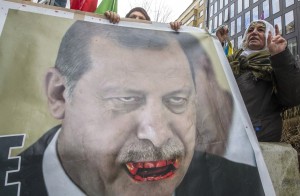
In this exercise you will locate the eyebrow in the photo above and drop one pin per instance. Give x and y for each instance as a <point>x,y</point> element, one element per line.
<point>257,26</point>
<point>122,90</point>
<point>184,90</point>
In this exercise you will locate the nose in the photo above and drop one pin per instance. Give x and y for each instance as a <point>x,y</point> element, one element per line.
<point>154,126</point>
<point>255,31</point>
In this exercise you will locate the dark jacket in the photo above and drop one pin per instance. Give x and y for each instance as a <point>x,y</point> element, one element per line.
<point>265,105</point>
<point>211,175</point>
<point>31,171</point>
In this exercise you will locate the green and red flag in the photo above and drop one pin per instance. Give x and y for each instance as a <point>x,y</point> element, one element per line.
<point>107,5</point>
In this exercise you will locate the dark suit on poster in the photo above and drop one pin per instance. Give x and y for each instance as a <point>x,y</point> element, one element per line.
<point>211,175</point>
<point>31,173</point>
<point>208,174</point>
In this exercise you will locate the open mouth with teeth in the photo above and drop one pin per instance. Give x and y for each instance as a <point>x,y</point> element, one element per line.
<point>152,170</point>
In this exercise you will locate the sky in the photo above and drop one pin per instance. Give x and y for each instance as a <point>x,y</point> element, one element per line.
<point>175,6</point>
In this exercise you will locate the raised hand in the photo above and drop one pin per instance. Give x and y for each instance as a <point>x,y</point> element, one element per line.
<point>113,17</point>
<point>222,34</point>
<point>277,43</point>
<point>175,25</point>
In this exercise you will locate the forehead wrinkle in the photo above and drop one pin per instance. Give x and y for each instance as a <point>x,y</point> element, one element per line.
<point>173,62</point>
<point>137,39</point>
<point>257,24</point>
<point>172,58</point>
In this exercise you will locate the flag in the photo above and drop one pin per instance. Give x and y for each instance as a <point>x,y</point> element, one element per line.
<point>107,5</point>
<point>228,49</point>
<point>84,5</point>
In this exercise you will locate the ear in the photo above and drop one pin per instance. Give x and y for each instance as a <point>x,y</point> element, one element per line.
<point>55,88</point>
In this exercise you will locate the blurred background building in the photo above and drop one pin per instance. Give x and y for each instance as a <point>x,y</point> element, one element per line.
<point>237,14</point>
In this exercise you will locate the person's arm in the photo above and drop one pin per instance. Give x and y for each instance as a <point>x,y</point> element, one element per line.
<point>222,34</point>
<point>286,70</point>
<point>287,76</point>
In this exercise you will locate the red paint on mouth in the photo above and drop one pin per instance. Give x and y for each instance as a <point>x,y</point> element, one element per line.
<point>152,170</point>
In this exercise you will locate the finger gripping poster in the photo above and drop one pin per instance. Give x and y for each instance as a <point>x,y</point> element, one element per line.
<point>92,108</point>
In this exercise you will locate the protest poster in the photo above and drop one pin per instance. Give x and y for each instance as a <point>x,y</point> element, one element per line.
<point>92,108</point>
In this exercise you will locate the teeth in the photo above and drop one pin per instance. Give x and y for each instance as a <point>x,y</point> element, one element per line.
<point>139,178</point>
<point>169,162</point>
<point>168,174</point>
<point>149,165</point>
<point>131,168</point>
<point>161,164</point>
<point>139,165</point>
<point>176,163</point>
<point>150,178</point>
<point>157,178</point>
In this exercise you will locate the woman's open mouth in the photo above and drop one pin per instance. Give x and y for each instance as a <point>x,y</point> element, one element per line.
<point>152,170</point>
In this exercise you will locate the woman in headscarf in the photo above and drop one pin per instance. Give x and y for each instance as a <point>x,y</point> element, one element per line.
<point>137,13</point>
<point>268,78</point>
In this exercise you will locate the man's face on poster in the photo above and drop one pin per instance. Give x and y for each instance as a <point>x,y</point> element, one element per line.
<point>129,125</point>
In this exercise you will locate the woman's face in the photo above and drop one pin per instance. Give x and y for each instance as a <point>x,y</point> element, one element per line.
<point>137,15</point>
<point>256,39</point>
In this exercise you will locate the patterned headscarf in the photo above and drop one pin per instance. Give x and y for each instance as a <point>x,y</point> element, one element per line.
<point>256,61</point>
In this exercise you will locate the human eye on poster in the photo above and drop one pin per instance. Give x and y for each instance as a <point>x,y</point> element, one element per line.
<point>91,108</point>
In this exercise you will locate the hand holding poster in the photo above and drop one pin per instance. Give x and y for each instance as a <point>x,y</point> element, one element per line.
<point>139,109</point>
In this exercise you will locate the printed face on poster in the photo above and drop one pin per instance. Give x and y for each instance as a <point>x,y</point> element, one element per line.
<point>129,109</point>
